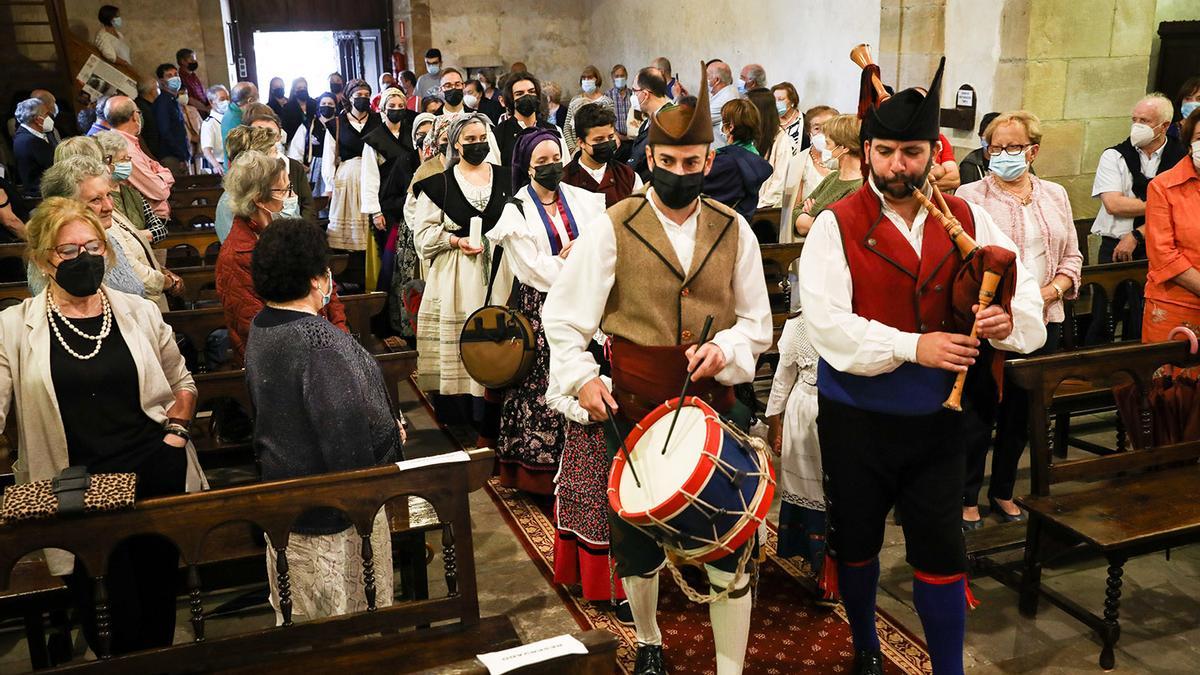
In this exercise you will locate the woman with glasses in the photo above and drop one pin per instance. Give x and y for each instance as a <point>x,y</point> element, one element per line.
<point>126,199</point>
<point>1036,215</point>
<point>258,187</point>
<point>301,204</point>
<point>348,226</point>
<point>96,381</point>
<point>591,91</point>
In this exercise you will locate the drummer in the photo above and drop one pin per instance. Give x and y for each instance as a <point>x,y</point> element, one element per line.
<point>648,274</point>
<point>885,370</point>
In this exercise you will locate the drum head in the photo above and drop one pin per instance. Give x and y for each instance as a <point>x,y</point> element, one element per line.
<point>663,476</point>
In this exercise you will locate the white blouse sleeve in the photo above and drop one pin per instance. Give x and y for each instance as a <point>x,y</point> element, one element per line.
<point>429,237</point>
<point>328,169</point>
<point>299,143</point>
<point>368,174</point>
<point>530,263</point>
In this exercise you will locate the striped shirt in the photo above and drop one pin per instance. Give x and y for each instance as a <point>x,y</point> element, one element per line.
<point>621,108</point>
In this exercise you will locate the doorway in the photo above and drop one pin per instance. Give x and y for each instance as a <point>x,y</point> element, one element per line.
<point>313,55</point>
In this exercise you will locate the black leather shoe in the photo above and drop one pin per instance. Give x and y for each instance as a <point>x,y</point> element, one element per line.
<point>868,662</point>
<point>1006,517</point>
<point>650,661</point>
<point>968,525</point>
<point>623,613</point>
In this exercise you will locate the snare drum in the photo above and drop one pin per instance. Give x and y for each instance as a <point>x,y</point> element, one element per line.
<point>706,495</point>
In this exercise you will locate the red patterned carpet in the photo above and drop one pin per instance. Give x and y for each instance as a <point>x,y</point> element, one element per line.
<point>788,633</point>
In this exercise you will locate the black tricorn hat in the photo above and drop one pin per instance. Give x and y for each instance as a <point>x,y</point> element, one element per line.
<point>911,115</point>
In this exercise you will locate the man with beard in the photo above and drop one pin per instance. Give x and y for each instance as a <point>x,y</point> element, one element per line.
<point>876,281</point>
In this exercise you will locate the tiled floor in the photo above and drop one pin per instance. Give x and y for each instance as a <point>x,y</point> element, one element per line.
<point>1160,611</point>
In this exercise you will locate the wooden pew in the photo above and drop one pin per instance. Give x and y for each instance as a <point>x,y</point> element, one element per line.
<point>1121,505</point>
<point>189,522</point>
<point>1103,279</point>
<point>599,660</point>
<point>199,239</point>
<point>200,284</point>
<point>196,182</point>
<point>12,293</point>
<point>12,250</point>
<point>194,197</point>
<point>765,225</point>
<point>186,217</point>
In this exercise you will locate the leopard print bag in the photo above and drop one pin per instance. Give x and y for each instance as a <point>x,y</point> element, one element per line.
<point>104,492</point>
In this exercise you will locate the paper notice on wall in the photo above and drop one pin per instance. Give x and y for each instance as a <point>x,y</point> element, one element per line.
<point>534,652</point>
<point>101,78</point>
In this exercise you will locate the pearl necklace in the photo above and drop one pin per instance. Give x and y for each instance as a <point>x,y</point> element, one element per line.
<point>52,310</point>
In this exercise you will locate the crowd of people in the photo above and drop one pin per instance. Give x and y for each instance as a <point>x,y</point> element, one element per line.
<point>454,190</point>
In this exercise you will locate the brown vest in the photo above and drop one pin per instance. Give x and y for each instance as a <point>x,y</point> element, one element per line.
<point>654,302</point>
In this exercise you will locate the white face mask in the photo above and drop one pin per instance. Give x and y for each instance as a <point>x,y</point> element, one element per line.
<point>222,107</point>
<point>1196,155</point>
<point>47,124</point>
<point>183,98</point>
<point>1140,135</point>
<point>470,100</point>
<point>291,207</point>
<point>818,142</point>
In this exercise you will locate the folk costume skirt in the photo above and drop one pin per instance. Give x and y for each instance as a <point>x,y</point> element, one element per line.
<point>456,287</point>
<point>802,494</point>
<point>531,434</point>
<point>349,228</point>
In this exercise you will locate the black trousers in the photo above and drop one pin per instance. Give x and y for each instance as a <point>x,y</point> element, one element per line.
<point>1010,416</point>
<point>143,571</point>
<point>1108,244</point>
<point>873,461</point>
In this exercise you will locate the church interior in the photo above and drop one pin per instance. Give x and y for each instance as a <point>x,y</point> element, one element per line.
<point>323,438</point>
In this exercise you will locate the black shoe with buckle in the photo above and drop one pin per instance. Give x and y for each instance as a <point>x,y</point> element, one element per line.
<point>650,661</point>
<point>868,662</point>
<point>623,612</point>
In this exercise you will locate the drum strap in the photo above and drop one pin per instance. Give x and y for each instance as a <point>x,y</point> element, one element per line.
<point>487,299</point>
<point>737,593</point>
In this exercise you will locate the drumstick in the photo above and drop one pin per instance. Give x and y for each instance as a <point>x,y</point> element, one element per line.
<point>687,380</point>
<point>621,439</point>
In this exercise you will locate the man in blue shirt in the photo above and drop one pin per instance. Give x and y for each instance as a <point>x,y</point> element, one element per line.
<point>173,138</point>
<point>242,96</point>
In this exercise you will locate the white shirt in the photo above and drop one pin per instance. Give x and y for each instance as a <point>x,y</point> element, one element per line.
<point>1112,175</point>
<point>329,152</point>
<point>210,136</point>
<point>1035,244</point>
<point>36,132</point>
<point>715,103</point>
<point>526,243</point>
<point>770,195</point>
<point>299,143</point>
<point>860,346</point>
<point>369,176</point>
<point>598,174</point>
<point>576,302</point>
<point>112,47</point>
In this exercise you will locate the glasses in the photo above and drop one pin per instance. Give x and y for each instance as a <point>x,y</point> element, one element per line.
<point>1012,150</point>
<point>71,251</point>
<point>452,85</point>
<point>285,190</point>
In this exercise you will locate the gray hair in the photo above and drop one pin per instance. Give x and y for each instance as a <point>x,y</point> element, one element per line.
<point>120,110</point>
<point>214,91</point>
<point>64,178</point>
<point>249,181</point>
<point>1166,109</point>
<point>722,72</point>
<point>758,76</point>
<point>101,104</point>
<point>243,92</point>
<point>456,129</point>
<point>78,146</point>
<point>29,109</point>
<point>146,85</point>
<point>111,142</point>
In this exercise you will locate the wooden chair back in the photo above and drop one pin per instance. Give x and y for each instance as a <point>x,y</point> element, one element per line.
<point>12,250</point>
<point>1098,368</point>
<point>765,224</point>
<point>195,197</point>
<point>192,215</point>
<point>1105,280</point>
<point>197,182</point>
<point>777,261</point>
<point>189,521</point>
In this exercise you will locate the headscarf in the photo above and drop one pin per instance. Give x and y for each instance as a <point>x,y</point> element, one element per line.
<point>526,142</point>
<point>383,99</point>
<point>420,119</point>
<point>457,123</point>
<point>439,125</point>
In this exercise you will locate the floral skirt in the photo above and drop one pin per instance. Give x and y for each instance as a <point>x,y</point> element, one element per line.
<point>531,434</point>
<point>581,515</point>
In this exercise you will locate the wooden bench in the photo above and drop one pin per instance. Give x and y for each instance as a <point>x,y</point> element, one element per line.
<point>200,283</point>
<point>765,225</point>
<point>777,260</point>
<point>200,239</point>
<point>190,521</point>
<point>1123,504</point>
<point>199,181</point>
<point>12,250</point>
<point>1105,280</point>
<point>194,197</point>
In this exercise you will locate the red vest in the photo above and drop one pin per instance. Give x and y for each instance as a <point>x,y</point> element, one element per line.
<point>617,183</point>
<point>891,285</point>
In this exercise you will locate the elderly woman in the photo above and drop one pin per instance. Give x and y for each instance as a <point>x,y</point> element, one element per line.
<point>815,164</point>
<point>1036,215</point>
<point>241,139</point>
<point>258,187</point>
<point>388,163</point>
<point>126,199</point>
<point>841,137</point>
<point>774,145</point>
<point>109,39</point>
<point>322,406</point>
<point>96,381</point>
<point>737,171</point>
<point>301,204</point>
<point>591,91</point>
<point>787,104</point>
<point>537,231</point>
<point>457,282</point>
<point>342,157</point>
<point>134,269</point>
<point>1173,242</point>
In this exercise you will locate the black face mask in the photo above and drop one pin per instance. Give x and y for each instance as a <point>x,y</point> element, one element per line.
<point>81,276</point>
<point>548,175</point>
<point>453,97</point>
<point>475,153</point>
<point>193,66</point>
<point>603,152</point>
<point>361,104</point>
<point>395,116</point>
<point>328,111</point>
<point>419,141</point>
<point>442,148</point>
<point>336,87</point>
<point>300,94</point>
<point>677,191</point>
<point>277,92</point>
<point>526,105</point>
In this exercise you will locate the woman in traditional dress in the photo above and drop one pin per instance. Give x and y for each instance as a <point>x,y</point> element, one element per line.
<point>308,143</point>
<point>342,156</point>
<point>536,232</point>
<point>457,282</point>
<point>792,424</point>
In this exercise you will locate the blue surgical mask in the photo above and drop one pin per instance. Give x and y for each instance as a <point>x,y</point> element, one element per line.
<point>1008,167</point>
<point>291,207</point>
<point>588,86</point>
<point>619,82</point>
<point>174,83</point>
<point>741,84</point>
<point>326,296</point>
<point>1188,107</point>
<point>122,171</point>
<point>116,22</point>
<point>222,107</point>
<point>781,107</point>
